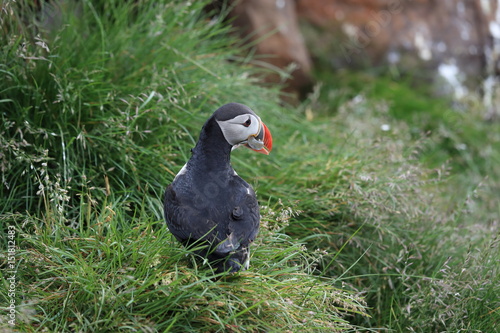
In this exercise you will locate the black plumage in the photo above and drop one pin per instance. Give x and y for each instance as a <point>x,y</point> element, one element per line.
<point>208,203</point>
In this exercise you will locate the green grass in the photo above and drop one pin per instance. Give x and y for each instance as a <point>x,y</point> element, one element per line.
<point>363,229</point>
<point>97,117</point>
<point>112,275</point>
<point>425,192</point>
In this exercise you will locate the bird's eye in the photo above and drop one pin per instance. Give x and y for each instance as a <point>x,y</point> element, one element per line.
<point>247,123</point>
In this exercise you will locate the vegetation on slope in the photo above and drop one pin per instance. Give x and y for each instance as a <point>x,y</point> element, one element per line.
<point>97,117</point>
<point>368,196</point>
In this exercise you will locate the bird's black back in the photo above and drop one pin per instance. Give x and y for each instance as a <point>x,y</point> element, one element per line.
<point>220,211</point>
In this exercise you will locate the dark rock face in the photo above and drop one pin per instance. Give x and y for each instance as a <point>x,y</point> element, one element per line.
<point>273,26</point>
<point>450,37</point>
<point>454,42</point>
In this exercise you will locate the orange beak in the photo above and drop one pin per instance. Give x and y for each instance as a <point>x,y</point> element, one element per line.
<point>262,142</point>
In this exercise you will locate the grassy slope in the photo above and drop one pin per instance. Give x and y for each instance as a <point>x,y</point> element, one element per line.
<point>432,263</point>
<point>111,114</point>
<point>96,120</point>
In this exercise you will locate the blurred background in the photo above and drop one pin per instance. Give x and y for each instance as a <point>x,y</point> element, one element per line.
<point>454,45</point>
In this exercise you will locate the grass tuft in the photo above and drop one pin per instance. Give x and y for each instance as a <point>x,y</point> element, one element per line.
<point>110,276</point>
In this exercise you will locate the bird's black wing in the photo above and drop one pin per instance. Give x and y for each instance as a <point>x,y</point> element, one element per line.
<point>245,215</point>
<point>228,219</point>
<point>186,219</point>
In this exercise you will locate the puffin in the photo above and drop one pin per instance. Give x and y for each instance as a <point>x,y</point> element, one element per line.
<point>208,207</point>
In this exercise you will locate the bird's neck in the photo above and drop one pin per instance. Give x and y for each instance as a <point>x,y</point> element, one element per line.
<point>212,152</point>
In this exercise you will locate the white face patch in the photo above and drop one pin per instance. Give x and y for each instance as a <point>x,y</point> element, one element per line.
<point>240,128</point>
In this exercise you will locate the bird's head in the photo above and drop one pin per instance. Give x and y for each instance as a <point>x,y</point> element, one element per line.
<point>241,126</point>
